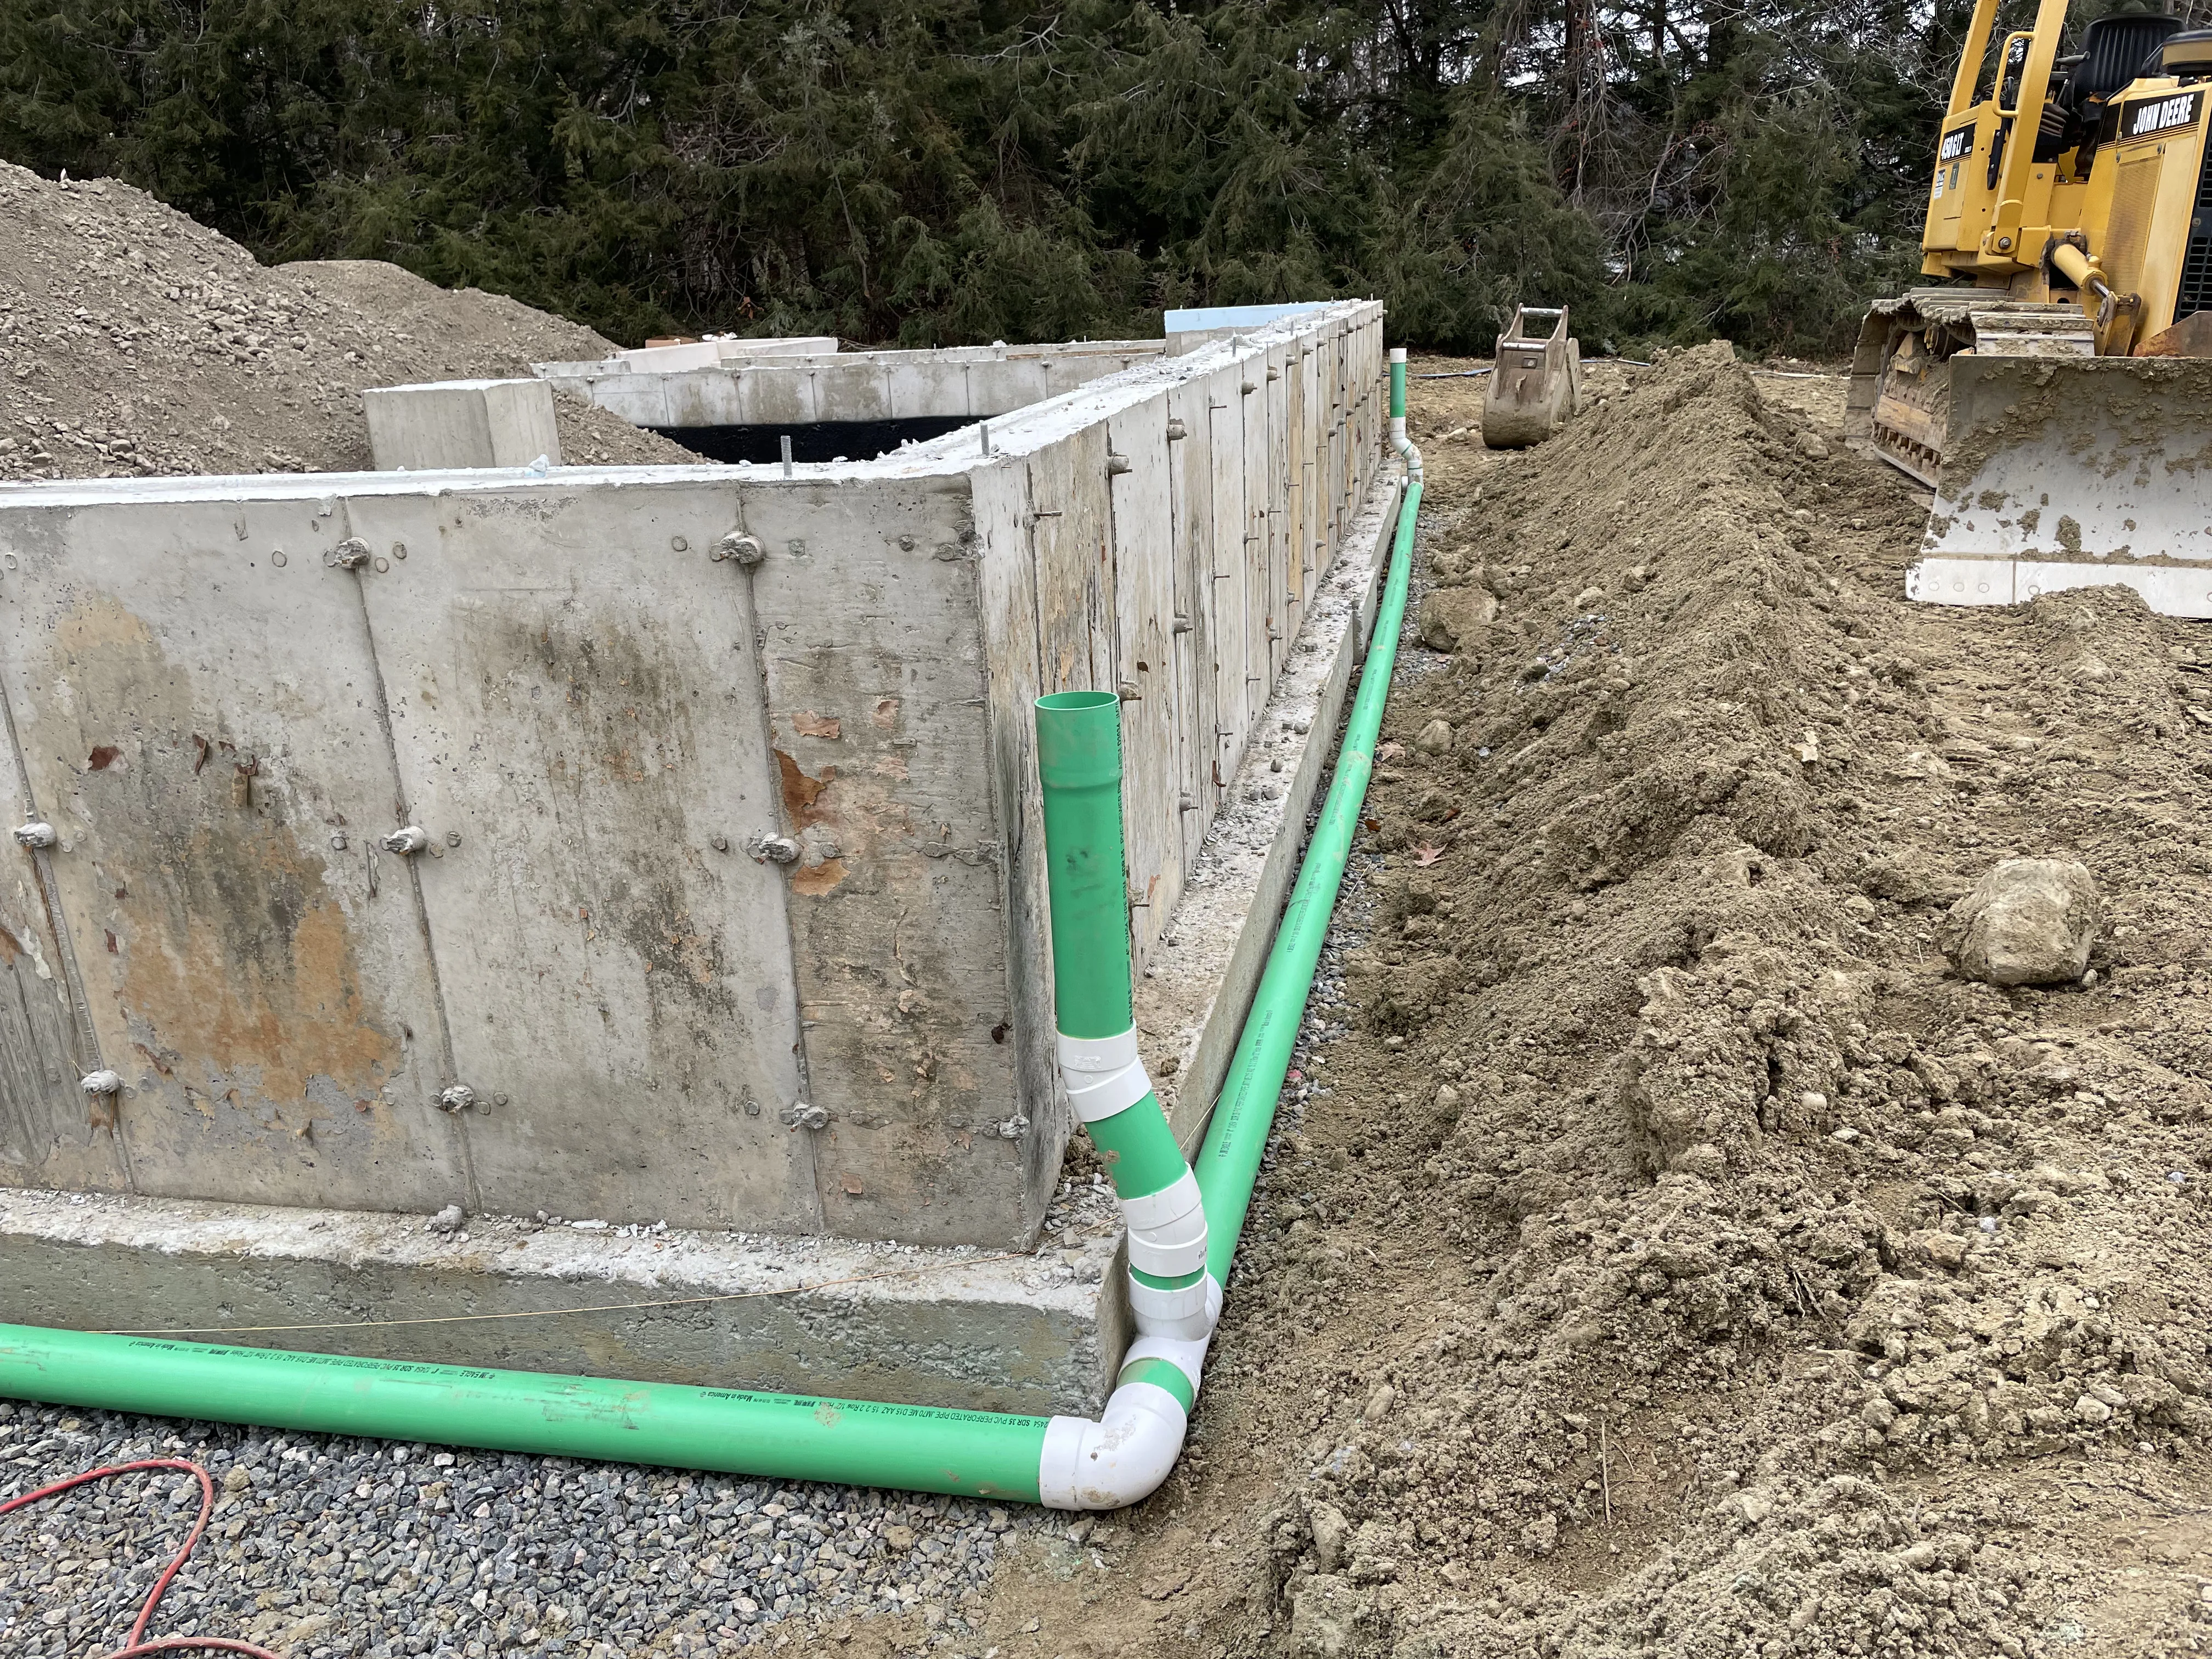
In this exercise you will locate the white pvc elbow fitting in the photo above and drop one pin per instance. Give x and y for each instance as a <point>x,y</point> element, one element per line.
<point>1127,1454</point>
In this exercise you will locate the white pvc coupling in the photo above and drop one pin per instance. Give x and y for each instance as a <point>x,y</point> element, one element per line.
<point>1167,1228</point>
<point>1125,1455</point>
<point>1103,1075</point>
<point>1187,1314</point>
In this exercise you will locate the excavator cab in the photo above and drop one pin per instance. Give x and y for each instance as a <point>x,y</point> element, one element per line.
<point>2069,231</point>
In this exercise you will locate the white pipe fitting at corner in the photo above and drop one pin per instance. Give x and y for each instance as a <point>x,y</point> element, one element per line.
<point>1106,1077</point>
<point>1127,1454</point>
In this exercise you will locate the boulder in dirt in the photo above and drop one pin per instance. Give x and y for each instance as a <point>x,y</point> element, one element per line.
<point>1435,738</point>
<point>2028,921</point>
<point>1451,618</point>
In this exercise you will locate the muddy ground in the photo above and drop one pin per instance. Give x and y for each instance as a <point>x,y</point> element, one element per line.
<point>1665,1251</point>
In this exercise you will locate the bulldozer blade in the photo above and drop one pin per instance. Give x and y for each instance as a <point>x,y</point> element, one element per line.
<point>2073,472</point>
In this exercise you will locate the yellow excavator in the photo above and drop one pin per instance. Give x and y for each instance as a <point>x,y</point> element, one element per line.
<point>2056,392</point>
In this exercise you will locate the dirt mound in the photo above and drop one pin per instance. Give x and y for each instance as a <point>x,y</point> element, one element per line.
<point>133,340</point>
<point>1673,1253</point>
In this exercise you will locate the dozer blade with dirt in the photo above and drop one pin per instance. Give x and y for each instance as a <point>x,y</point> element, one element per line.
<point>2057,393</point>
<point>2074,472</point>
<point>1535,381</point>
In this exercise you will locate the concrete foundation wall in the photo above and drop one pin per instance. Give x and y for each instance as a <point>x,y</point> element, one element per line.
<point>847,387</point>
<point>225,693</point>
<point>1160,534</point>
<point>708,353</point>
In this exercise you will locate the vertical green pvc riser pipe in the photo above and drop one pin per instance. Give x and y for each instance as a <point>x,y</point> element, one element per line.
<point>1229,1161</point>
<point>1079,768</point>
<point>1079,772</point>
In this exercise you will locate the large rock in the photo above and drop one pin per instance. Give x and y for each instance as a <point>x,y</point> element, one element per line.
<point>1451,618</point>
<point>2028,921</point>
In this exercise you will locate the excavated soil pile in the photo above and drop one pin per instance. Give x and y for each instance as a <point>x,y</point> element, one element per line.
<point>133,341</point>
<point>1674,1254</point>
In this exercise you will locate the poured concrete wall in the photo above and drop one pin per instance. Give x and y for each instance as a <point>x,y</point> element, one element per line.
<point>714,349</point>
<point>223,693</point>
<point>1159,534</point>
<point>847,387</point>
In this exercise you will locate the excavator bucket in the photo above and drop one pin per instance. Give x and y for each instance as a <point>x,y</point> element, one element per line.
<point>2073,472</point>
<point>1535,383</point>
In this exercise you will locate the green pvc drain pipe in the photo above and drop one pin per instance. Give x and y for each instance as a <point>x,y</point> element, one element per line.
<point>1086,878</point>
<point>1172,1300</point>
<point>1068,1462</point>
<point>917,1448</point>
<point>1399,441</point>
<point>1229,1161</point>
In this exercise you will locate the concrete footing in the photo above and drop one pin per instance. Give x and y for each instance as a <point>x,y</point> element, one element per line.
<point>1036,1332</point>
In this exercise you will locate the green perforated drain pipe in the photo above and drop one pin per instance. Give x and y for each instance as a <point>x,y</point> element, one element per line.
<point>1179,1256</point>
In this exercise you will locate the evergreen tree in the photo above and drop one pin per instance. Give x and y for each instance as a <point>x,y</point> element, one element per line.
<point>948,171</point>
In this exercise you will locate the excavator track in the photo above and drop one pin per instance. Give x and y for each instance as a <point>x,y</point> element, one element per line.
<point>1899,403</point>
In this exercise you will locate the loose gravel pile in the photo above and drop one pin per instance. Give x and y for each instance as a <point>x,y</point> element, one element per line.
<point>323,1547</point>
<point>135,342</point>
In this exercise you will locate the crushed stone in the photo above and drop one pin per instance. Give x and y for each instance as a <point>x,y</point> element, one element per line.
<point>322,1546</point>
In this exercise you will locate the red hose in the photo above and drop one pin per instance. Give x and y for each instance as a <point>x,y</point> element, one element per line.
<point>134,1646</point>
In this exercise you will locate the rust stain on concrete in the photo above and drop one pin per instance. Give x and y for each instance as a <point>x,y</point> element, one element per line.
<point>801,791</point>
<point>692,950</point>
<point>623,765</point>
<point>819,878</point>
<point>808,724</point>
<point>249,968</point>
<point>100,622</point>
<point>225,950</point>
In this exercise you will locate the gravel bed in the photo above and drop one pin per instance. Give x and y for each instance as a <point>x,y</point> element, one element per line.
<point>322,1546</point>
